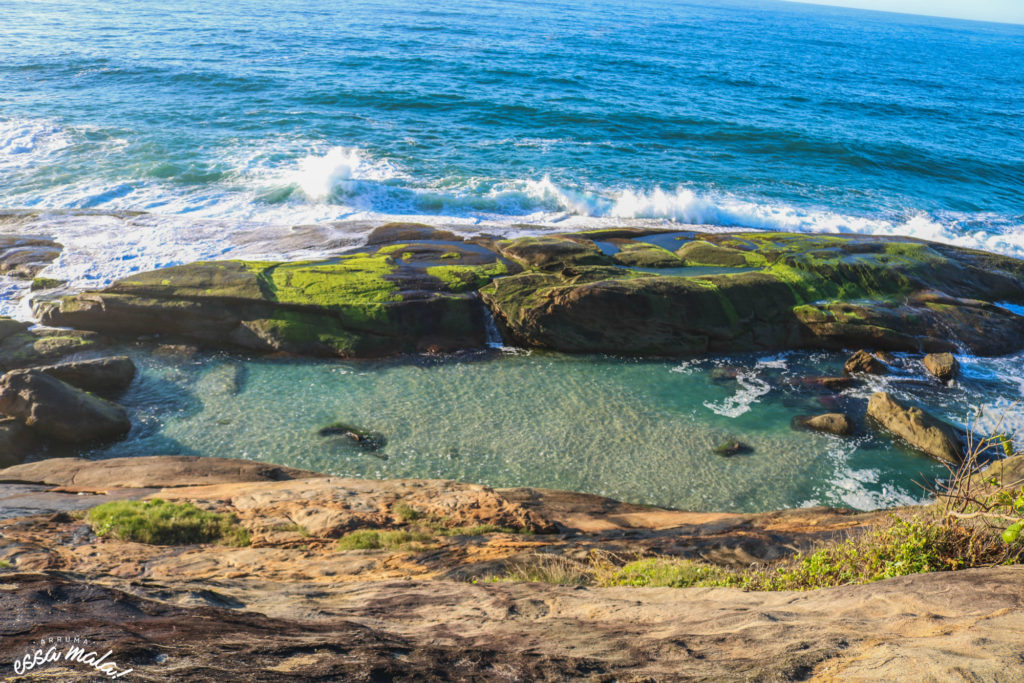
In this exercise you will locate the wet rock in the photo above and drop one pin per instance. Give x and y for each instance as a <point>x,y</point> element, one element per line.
<point>829,383</point>
<point>885,357</point>
<point>919,429</point>
<point>945,366</point>
<point>730,448</point>
<point>367,440</point>
<point>864,362</point>
<point>44,283</point>
<point>553,253</point>
<point>24,256</point>
<point>56,410</point>
<point>409,232</point>
<point>21,347</point>
<point>839,424</point>
<point>102,375</point>
<point>16,442</point>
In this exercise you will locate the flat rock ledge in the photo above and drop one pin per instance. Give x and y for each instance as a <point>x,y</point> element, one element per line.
<point>293,607</point>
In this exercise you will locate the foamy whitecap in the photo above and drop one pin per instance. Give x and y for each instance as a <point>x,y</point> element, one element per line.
<point>751,388</point>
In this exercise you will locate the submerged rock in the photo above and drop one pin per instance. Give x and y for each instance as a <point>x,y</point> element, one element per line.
<point>944,366</point>
<point>56,410</point>
<point>839,424</point>
<point>102,375</point>
<point>367,440</point>
<point>864,362</point>
<point>730,448</point>
<point>922,431</point>
<point>23,256</point>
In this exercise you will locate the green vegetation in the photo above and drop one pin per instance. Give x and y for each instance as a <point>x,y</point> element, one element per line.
<point>374,539</point>
<point>901,547</point>
<point>467,278</point>
<point>420,528</point>
<point>41,283</point>
<point>4,564</point>
<point>346,281</point>
<point>162,523</point>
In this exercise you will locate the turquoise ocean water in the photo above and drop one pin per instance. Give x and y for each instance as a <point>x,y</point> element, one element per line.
<point>225,124</point>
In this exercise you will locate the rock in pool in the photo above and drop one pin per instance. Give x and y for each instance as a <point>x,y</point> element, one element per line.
<point>367,440</point>
<point>102,375</point>
<point>730,448</point>
<point>945,366</point>
<point>57,410</point>
<point>922,431</point>
<point>864,362</point>
<point>839,424</point>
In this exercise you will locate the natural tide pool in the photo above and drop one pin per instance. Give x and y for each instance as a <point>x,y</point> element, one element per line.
<point>637,430</point>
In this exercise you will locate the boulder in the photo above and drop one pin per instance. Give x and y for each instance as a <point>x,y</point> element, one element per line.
<point>945,366</point>
<point>101,375</point>
<point>920,430</point>
<point>16,442</point>
<point>864,362</point>
<point>839,424</point>
<point>57,410</point>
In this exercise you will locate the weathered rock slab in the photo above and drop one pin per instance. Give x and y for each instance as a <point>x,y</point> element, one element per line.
<point>101,375</point>
<point>56,410</point>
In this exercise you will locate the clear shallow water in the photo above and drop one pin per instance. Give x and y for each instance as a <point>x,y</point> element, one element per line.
<point>640,431</point>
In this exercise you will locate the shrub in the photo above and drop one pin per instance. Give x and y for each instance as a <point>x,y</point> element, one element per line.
<point>670,572</point>
<point>162,523</point>
<point>373,539</point>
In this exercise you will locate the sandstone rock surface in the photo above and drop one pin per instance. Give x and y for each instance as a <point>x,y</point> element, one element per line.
<point>944,366</point>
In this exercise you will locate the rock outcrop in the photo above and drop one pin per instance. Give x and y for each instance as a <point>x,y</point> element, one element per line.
<point>398,298</point>
<point>917,428</point>
<point>294,607</point>
<point>838,424</point>
<point>864,362</point>
<point>101,375</point>
<point>56,410</point>
<point>943,366</point>
<point>618,291</point>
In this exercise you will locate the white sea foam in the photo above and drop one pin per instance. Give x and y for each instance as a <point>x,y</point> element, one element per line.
<point>751,388</point>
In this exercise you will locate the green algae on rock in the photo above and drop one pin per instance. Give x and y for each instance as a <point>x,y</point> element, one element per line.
<point>801,291</point>
<point>564,292</point>
<point>356,305</point>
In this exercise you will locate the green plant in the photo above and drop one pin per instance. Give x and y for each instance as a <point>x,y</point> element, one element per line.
<point>163,523</point>
<point>670,572</point>
<point>406,512</point>
<point>374,539</point>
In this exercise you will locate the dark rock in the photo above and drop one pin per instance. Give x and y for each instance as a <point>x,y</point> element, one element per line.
<point>864,362</point>
<point>945,366</point>
<point>24,256</point>
<point>830,383</point>
<point>102,375</point>
<point>16,442</point>
<point>731,448</point>
<point>57,410</point>
<point>367,440</point>
<point>393,233</point>
<point>922,431</point>
<point>829,423</point>
<point>885,357</point>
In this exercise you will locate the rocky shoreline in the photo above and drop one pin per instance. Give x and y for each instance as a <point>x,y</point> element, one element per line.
<point>419,289</point>
<point>293,606</point>
<point>295,603</point>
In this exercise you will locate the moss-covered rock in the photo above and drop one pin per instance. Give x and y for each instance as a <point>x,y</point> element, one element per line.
<point>552,253</point>
<point>802,291</point>
<point>399,298</point>
<point>645,255</point>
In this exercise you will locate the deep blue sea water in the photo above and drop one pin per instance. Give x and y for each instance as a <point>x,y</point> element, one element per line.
<point>756,114</point>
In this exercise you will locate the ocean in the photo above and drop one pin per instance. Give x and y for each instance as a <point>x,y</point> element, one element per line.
<point>148,134</point>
